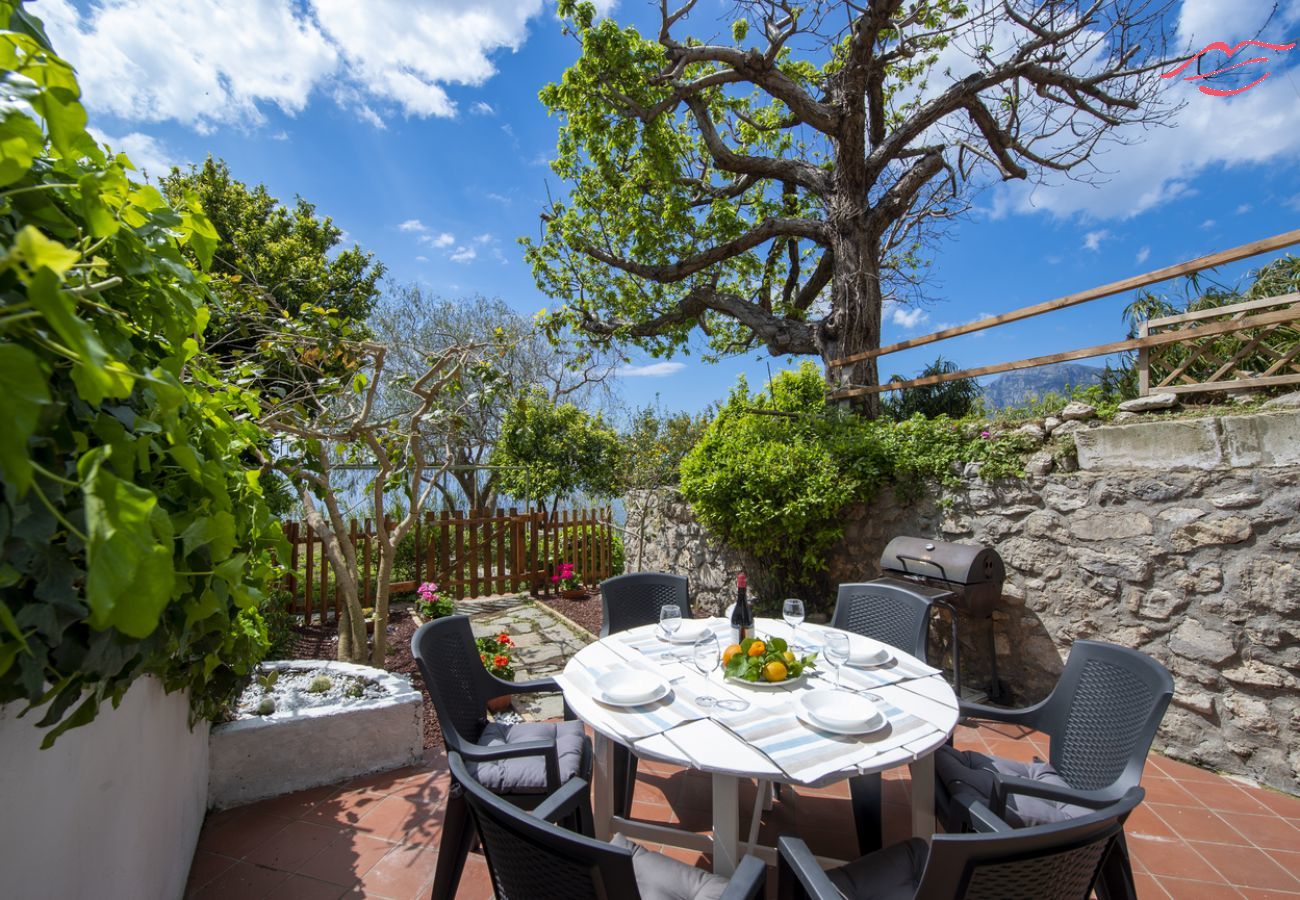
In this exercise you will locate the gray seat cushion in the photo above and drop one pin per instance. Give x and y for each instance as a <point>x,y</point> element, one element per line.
<point>967,773</point>
<point>527,774</point>
<point>889,874</point>
<point>660,877</point>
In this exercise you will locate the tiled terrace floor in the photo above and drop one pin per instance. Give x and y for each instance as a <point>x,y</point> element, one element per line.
<point>1198,835</point>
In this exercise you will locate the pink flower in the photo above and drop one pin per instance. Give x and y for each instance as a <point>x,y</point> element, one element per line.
<point>984,434</point>
<point>555,579</point>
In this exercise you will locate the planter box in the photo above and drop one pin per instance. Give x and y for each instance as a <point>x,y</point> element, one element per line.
<point>256,758</point>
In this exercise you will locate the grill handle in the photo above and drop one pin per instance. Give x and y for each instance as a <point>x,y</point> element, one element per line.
<point>929,562</point>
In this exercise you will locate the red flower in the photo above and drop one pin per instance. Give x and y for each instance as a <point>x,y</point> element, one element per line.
<point>501,662</point>
<point>483,657</point>
<point>504,638</point>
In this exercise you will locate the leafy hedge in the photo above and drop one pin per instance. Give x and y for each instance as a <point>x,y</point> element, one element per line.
<point>775,473</point>
<point>131,539</point>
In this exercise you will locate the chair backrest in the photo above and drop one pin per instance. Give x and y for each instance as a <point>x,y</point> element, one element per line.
<point>889,613</point>
<point>531,859</point>
<point>1103,714</point>
<point>1060,861</point>
<point>630,601</point>
<point>454,675</point>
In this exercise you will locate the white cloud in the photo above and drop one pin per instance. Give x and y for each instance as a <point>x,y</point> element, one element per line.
<point>650,370</point>
<point>422,259</point>
<point>212,63</point>
<point>463,255</point>
<point>482,109</point>
<point>1092,240</point>
<point>1208,223</point>
<point>438,241</point>
<point>483,239</point>
<point>499,198</point>
<point>907,318</point>
<point>1244,208</point>
<point>151,156</point>
<point>1143,255</point>
<point>280,135</point>
<point>413,225</point>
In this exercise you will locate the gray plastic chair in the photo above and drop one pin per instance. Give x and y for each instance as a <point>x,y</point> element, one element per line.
<point>893,615</point>
<point>525,763</point>
<point>530,858</point>
<point>1101,718</point>
<point>630,601</point>
<point>1062,861</point>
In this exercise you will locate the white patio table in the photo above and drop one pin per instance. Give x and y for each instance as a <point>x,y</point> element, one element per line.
<point>765,742</point>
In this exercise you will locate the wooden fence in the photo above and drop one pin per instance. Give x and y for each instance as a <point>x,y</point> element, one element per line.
<point>468,554</point>
<point>1228,348</point>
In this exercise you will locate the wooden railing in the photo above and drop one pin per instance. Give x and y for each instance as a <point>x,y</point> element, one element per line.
<point>469,554</point>
<point>1191,362</point>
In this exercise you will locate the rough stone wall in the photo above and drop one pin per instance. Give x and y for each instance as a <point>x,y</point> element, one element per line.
<point>1198,568</point>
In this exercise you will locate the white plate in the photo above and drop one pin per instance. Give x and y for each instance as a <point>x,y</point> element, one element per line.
<point>865,653</point>
<point>687,633</point>
<point>769,685</point>
<point>805,704</point>
<point>630,687</point>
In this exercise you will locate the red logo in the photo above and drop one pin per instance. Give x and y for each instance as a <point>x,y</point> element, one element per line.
<point>1220,45</point>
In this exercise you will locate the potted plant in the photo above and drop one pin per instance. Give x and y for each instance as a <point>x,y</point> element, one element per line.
<point>431,604</point>
<point>497,655</point>
<point>568,582</point>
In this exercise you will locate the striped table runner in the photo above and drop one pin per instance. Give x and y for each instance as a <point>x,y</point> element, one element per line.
<point>647,641</point>
<point>633,722</point>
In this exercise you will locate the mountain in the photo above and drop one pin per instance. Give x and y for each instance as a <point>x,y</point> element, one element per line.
<point>1016,388</point>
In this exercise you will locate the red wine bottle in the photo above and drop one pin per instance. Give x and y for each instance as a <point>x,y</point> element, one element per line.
<point>742,617</point>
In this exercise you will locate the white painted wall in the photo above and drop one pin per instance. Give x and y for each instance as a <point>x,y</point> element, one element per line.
<point>112,810</point>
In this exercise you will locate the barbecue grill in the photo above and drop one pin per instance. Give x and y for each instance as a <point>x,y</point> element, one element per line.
<point>964,577</point>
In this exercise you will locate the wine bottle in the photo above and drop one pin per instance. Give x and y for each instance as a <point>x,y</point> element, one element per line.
<point>742,617</point>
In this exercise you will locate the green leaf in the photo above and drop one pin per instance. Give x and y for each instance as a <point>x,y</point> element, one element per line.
<point>21,142</point>
<point>35,251</point>
<point>22,386</point>
<point>129,571</point>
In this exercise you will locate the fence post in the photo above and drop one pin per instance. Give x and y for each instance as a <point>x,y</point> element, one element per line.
<point>460,554</point>
<point>444,539</point>
<point>308,578</point>
<point>293,561</point>
<point>533,539</point>
<point>430,571</point>
<point>415,543</point>
<point>1144,363</point>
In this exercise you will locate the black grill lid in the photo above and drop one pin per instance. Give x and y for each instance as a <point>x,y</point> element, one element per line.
<point>965,564</point>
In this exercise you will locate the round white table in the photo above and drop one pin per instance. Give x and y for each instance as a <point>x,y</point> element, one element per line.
<point>921,706</point>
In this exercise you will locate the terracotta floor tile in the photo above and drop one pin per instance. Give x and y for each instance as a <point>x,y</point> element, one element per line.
<point>475,883</point>
<point>1282,804</point>
<point>346,807</point>
<point>1269,832</point>
<point>204,867</point>
<point>1190,823</point>
<point>241,835</point>
<point>1227,797</point>
<point>292,846</point>
<point>1248,866</point>
<point>1182,771</point>
<point>1185,889</point>
<point>396,819</point>
<point>1148,888</point>
<point>1289,860</point>
<point>1173,858</point>
<point>346,859</point>
<point>1145,822</point>
<point>242,881</point>
<point>295,805</point>
<point>1166,790</point>
<point>299,887</point>
<point>403,871</point>
<point>653,790</point>
<point>1258,894</point>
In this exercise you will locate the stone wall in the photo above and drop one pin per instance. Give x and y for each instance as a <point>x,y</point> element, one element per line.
<point>1196,566</point>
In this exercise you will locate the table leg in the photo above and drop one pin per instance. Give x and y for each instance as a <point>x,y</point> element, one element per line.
<point>603,789</point>
<point>726,823</point>
<point>923,797</point>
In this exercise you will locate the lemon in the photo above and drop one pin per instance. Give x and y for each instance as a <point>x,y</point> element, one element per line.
<point>729,653</point>
<point>758,648</point>
<point>774,671</point>
<point>788,656</point>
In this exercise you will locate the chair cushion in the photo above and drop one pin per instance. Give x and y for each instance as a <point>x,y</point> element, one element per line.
<point>971,774</point>
<point>889,874</point>
<point>660,877</point>
<point>527,774</point>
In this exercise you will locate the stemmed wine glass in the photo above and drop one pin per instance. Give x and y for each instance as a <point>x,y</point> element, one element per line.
<point>670,619</point>
<point>706,654</point>
<point>835,647</point>
<point>793,613</point>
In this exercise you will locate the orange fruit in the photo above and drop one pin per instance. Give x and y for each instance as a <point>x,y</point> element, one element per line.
<point>729,653</point>
<point>774,671</point>
<point>788,656</point>
<point>758,648</point>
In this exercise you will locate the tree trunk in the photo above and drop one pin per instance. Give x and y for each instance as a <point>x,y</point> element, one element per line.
<point>384,577</point>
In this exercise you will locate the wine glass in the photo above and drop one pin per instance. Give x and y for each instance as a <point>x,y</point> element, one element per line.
<point>706,654</point>
<point>793,613</point>
<point>670,619</point>
<point>835,648</point>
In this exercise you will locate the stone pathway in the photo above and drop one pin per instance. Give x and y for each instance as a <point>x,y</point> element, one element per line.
<point>544,643</point>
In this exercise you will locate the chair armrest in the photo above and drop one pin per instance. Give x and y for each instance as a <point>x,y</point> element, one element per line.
<point>748,881</point>
<point>563,802</point>
<point>982,818</point>
<point>1007,785</point>
<point>797,861</point>
<point>1027,715</point>
<point>536,686</point>
<point>544,748</point>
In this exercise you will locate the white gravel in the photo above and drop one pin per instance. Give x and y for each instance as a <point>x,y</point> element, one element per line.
<point>291,695</point>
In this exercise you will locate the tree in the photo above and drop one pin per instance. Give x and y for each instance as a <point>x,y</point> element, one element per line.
<point>410,321</point>
<point>956,399</point>
<point>653,447</point>
<point>773,201</point>
<point>348,426</point>
<point>285,292</point>
<point>550,450</point>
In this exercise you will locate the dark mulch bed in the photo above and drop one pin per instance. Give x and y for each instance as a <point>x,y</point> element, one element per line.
<point>321,642</point>
<point>586,613</point>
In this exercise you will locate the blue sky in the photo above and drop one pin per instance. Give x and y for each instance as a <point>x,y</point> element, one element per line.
<point>417,127</point>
